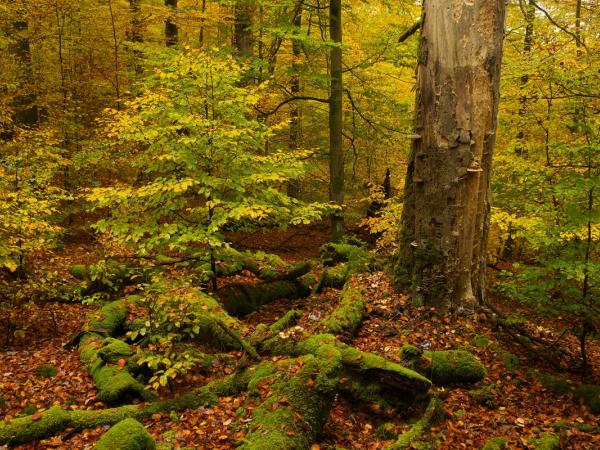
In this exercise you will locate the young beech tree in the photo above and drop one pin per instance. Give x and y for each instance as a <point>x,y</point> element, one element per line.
<point>198,150</point>
<point>447,201</point>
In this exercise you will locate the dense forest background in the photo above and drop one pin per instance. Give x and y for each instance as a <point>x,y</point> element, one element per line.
<point>145,135</point>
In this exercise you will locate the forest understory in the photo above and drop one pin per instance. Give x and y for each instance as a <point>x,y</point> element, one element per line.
<point>521,398</point>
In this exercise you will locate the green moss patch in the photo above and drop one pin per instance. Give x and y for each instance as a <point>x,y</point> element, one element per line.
<point>547,441</point>
<point>496,443</point>
<point>128,434</point>
<point>590,395</point>
<point>349,314</point>
<point>554,383</point>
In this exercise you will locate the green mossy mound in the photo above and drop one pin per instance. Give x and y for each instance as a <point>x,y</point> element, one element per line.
<point>496,443</point>
<point>110,319</point>
<point>386,431</point>
<point>435,409</point>
<point>112,350</point>
<point>590,395</point>
<point>554,383</point>
<point>300,395</point>
<point>357,258</point>
<point>444,367</point>
<point>347,317</point>
<point>547,441</point>
<point>242,299</point>
<point>485,395</point>
<point>128,434</point>
<point>80,272</point>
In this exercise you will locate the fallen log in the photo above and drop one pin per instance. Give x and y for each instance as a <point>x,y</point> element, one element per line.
<point>385,379</point>
<point>242,299</point>
<point>347,317</point>
<point>299,395</point>
<point>128,434</point>
<point>55,420</point>
<point>444,367</point>
<point>333,277</point>
<point>357,259</point>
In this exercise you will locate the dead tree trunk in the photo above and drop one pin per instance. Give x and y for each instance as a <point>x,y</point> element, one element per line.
<point>447,200</point>
<point>243,37</point>
<point>171,30</point>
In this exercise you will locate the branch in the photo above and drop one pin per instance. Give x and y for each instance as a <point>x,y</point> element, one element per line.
<point>556,24</point>
<point>408,33</point>
<point>289,100</point>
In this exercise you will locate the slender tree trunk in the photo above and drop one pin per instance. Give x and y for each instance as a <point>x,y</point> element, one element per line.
<point>171,30</point>
<point>115,54</point>
<point>527,44</point>
<point>293,187</point>
<point>202,21</point>
<point>243,37</point>
<point>447,197</point>
<point>336,154</point>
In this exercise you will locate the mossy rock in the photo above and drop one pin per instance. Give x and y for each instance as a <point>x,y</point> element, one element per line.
<point>485,395</point>
<point>410,353</point>
<point>554,383</point>
<point>590,395</point>
<point>128,434</point>
<point>349,314</point>
<point>547,441</point>
<point>496,443</point>
<point>511,361</point>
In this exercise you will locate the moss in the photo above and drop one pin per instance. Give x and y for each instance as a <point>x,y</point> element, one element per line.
<point>128,434</point>
<point>333,277</point>
<point>25,429</point>
<point>511,361</point>
<point>46,371</point>
<point>357,258</point>
<point>113,350</point>
<point>554,383</point>
<point>451,367</point>
<point>349,314</point>
<point>410,353</point>
<point>79,271</point>
<point>590,395</point>
<point>406,440</point>
<point>561,425</point>
<point>547,441</point>
<point>481,341</point>
<point>3,401</point>
<point>485,395</point>
<point>496,443</point>
<point>110,318</point>
<point>386,431</point>
<point>300,396</point>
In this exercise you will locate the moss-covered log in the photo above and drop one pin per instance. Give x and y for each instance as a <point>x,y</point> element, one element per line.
<point>128,434</point>
<point>333,277</point>
<point>264,332</point>
<point>383,378</point>
<point>347,317</point>
<point>242,299</point>
<point>56,420</point>
<point>405,440</point>
<point>109,276</point>
<point>357,259</point>
<point>444,367</point>
<point>300,395</point>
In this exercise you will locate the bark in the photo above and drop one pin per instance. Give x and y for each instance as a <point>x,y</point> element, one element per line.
<point>447,197</point>
<point>243,37</point>
<point>527,44</point>
<point>336,154</point>
<point>171,30</point>
<point>293,187</point>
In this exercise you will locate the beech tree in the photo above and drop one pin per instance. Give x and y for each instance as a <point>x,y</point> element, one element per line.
<point>447,198</point>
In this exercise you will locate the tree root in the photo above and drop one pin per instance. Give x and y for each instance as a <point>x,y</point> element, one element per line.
<point>405,440</point>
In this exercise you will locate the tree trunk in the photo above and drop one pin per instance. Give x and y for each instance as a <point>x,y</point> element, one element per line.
<point>527,44</point>
<point>243,38</point>
<point>447,198</point>
<point>293,187</point>
<point>171,30</point>
<point>336,154</point>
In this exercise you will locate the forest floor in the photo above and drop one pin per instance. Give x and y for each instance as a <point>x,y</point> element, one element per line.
<point>520,408</point>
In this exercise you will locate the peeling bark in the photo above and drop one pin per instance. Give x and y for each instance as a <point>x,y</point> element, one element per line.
<point>447,196</point>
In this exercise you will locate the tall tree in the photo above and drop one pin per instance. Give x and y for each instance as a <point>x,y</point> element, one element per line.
<point>447,198</point>
<point>336,119</point>
<point>243,37</point>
